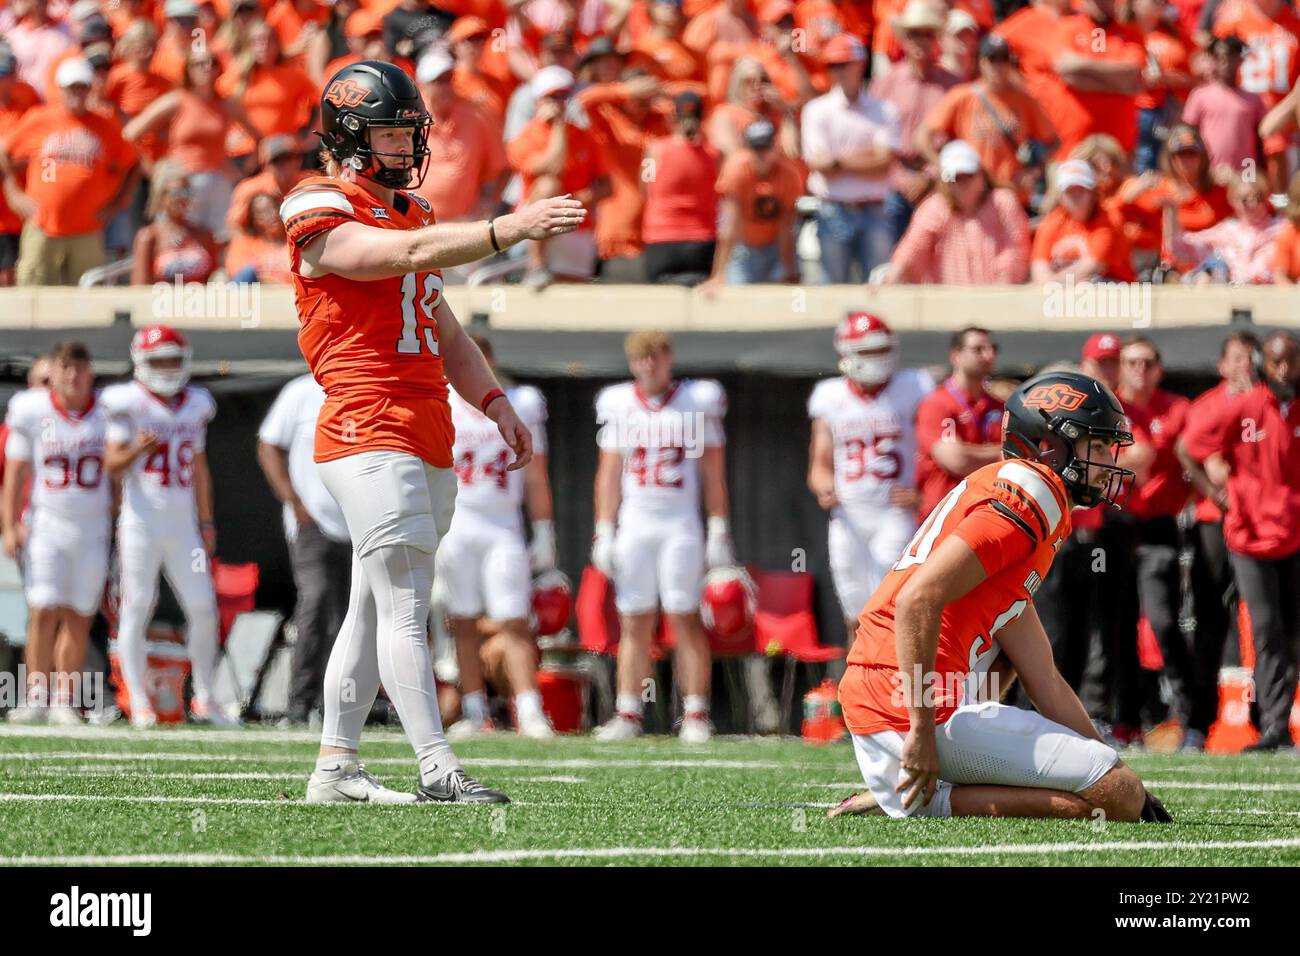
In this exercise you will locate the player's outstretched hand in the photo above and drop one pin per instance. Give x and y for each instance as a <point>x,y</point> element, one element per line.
<point>550,217</point>
<point>920,767</point>
<point>514,431</point>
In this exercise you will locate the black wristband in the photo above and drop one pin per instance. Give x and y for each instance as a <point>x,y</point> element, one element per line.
<point>492,234</point>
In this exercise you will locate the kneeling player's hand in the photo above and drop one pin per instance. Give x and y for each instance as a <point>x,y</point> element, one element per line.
<point>920,767</point>
<point>551,217</point>
<point>514,432</point>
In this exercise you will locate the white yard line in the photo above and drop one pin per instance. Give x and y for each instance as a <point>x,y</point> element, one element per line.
<point>631,852</point>
<point>573,763</point>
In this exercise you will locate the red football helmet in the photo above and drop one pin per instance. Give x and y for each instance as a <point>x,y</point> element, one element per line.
<point>729,601</point>
<point>552,602</point>
<point>867,348</point>
<point>155,342</point>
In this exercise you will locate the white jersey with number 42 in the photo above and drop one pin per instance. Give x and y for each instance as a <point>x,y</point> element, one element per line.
<point>66,450</point>
<point>874,435</point>
<point>661,440</point>
<point>159,488</point>
<point>481,455</point>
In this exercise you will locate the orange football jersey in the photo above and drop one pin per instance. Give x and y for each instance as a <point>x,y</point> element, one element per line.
<point>372,345</point>
<point>1014,515</point>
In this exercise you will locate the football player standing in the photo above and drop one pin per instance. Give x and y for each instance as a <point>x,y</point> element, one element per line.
<point>862,461</point>
<point>661,449</point>
<point>960,596</point>
<point>157,435</point>
<point>383,343</point>
<point>56,436</point>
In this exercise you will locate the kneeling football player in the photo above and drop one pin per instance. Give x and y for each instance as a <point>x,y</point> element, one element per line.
<point>930,737</point>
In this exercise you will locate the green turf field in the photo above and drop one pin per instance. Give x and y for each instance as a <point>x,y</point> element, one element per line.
<point>205,797</point>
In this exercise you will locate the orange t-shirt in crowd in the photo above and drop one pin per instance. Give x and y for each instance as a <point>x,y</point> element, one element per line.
<point>621,142</point>
<point>75,165</point>
<point>1014,515</point>
<point>581,160</point>
<point>22,97</point>
<point>1062,240</point>
<point>255,185</point>
<point>763,200</point>
<point>479,92</point>
<point>1144,221</point>
<point>681,198</point>
<point>1078,114</point>
<point>665,59</point>
<point>269,256</point>
<point>1030,33</point>
<point>1271,63</point>
<point>372,346</point>
<point>962,115</point>
<point>277,99</point>
<point>197,136</point>
<point>1172,53</point>
<point>465,153</point>
<point>131,90</point>
<point>169,62</point>
<point>288,22</point>
<point>722,58</point>
<point>1286,252</point>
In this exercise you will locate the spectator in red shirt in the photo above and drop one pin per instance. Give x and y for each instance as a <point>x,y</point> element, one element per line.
<point>16,98</point>
<point>1214,594</point>
<point>959,424</point>
<point>680,222</point>
<point>1159,494</point>
<point>1257,434</point>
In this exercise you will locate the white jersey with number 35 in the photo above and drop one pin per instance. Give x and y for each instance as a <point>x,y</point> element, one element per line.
<point>661,440</point>
<point>874,435</point>
<point>159,488</point>
<point>66,450</point>
<point>481,455</point>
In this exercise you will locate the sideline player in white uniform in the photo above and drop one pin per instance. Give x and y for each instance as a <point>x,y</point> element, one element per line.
<point>862,462</point>
<point>56,435</point>
<point>157,436</point>
<point>661,445</point>
<point>483,561</point>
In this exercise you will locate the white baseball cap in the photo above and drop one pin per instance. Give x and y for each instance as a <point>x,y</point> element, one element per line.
<point>1075,172</point>
<point>434,64</point>
<point>957,158</point>
<point>73,71</point>
<point>551,79</point>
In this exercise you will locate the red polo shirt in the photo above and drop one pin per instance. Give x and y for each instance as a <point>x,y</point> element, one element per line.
<point>1260,440</point>
<point>1208,403</point>
<point>1158,423</point>
<point>948,413</point>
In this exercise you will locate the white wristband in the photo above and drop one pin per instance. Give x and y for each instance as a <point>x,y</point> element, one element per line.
<point>719,525</point>
<point>604,529</point>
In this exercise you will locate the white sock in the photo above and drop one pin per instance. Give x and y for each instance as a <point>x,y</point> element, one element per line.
<point>474,707</point>
<point>695,704</point>
<point>435,763</point>
<point>38,694</point>
<point>628,704</point>
<point>528,705</point>
<point>337,765</point>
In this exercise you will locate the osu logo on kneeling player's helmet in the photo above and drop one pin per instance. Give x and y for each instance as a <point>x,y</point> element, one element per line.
<point>552,602</point>
<point>728,602</point>
<point>1045,418</point>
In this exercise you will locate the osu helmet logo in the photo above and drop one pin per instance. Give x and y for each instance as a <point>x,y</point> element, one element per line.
<point>346,93</point>
<point>1052,397</point>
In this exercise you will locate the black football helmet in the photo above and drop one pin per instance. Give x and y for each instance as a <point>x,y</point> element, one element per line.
<point>366,96</point>
<point>1048,414</point>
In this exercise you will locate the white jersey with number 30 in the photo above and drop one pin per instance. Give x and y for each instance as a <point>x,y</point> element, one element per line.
<point>159,488</point>
<point>874,435</point>
<point>66,450</point>
<point>481,455</point>
<point>661,440</point>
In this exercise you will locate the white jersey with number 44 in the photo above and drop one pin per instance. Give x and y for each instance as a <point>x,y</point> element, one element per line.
<point>66,450</point>
<point>159,488</point>
<point>874,435</point>
<point>481,455</point>
<point>661,440</point>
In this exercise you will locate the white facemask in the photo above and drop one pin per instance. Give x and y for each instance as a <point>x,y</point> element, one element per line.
<point>869,370</point>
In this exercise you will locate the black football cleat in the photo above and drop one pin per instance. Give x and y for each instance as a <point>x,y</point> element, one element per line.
<point>1153,811</point>
<point>456,786</point>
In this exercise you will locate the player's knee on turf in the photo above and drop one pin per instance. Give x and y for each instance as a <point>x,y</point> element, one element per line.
<point>1119,795</point>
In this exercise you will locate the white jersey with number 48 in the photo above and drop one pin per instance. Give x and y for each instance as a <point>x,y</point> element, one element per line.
<point>661,440</point>
<point>66,450</point>
<point>481,456</point>
<point>159,488</point>
<point>874,435</point>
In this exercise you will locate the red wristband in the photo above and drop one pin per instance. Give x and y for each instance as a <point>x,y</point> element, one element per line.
<point>489,398</point>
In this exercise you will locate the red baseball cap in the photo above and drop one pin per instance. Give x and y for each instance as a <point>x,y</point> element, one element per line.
<point>1102,346</point>
<point>843,48</point>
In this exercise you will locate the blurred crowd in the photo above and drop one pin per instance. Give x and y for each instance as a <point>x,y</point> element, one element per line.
<point>718,141</point>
